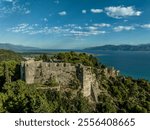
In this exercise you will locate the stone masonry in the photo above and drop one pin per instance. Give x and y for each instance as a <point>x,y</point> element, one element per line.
<point>39,72</point>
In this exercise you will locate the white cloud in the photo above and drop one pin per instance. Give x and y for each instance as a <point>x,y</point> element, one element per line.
<point>70,25</point>
<point>13,7</point>
<point>8,0</point>
<point>92,28</point>
<point>121,11</point>
<point>146,26</point>
<point>101,25</point>
<point>81,31</point>
<point>56,1</point>
<point>27,12</point>
<point>123,28</point>
<point>19,28</point>
<point>63,13</point>
<point>86,33</point>
<point>69,30</point>
<point>45,20</point>
<point>84,11</point>
<point>125,20</point>
<point>96,10</point>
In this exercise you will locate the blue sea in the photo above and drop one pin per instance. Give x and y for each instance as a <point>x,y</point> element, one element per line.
<point>135,64</point>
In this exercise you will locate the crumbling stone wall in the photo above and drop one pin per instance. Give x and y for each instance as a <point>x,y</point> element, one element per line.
<point>40,72</point>
<point>110,72</point>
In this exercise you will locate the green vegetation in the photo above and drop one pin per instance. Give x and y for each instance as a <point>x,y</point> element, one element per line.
<point>9,66</point>
<point>19,97</point>
<point>118,94</point>
<point>71,57</point>
<point>43,57</point>
<point>9,70</point>
<point>52,82</point>
<point>6,55</point>
<point>124,94</point>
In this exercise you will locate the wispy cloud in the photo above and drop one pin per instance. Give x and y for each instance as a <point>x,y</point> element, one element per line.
<point>27,12</point>
<point>92,28</point>
<point>45,20</point>
<point>123,28</point>
<point>86,33</point>
<point>84,11</point>
<point>101,25</point>
<point>121,11</point>
<point>65,30</point>
<point>8,0</point>
<point>63,13</point>
<point>24,28</point>
<point>147,26</point>
<point>96,10</point>
<point>13,7</point>
<point>56,1</point>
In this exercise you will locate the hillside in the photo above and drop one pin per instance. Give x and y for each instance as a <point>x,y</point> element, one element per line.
<point>110,92</point>
<point>17,48</point>
<point>6,55</point>
<point>144,47</point>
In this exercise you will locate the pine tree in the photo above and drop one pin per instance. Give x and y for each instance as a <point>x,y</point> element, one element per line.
<point>6,73</point>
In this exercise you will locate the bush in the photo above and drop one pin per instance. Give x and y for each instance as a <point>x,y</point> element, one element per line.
<point>52,82</point>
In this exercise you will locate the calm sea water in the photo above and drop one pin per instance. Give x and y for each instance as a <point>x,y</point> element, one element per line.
<point>135,64</point>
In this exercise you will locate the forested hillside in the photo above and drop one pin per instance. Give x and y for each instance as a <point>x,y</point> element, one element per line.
<point>6,55</point>
<point>118,94</point>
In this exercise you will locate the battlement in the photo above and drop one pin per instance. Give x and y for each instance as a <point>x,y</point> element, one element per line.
<point>40,72</point>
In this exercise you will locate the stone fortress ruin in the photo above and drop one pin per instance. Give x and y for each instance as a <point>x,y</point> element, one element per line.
<point>40,72</point>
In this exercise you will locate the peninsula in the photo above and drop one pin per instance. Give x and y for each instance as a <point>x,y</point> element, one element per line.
<point>67,82</point>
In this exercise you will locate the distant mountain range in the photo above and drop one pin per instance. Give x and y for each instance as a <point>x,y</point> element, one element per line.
<point>144,47</point>
<point>21,48</point>
<point>17,48</point>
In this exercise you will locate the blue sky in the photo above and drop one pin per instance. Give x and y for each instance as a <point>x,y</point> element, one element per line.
<point>63,24</point>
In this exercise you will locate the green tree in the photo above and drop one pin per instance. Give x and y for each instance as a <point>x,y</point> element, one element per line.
<point>6,73</point>
<point>2,99</point>
<point>23,98</point>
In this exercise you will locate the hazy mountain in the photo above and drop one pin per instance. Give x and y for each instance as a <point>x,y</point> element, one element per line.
<point>17,48</point>
<point>142,47</point>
